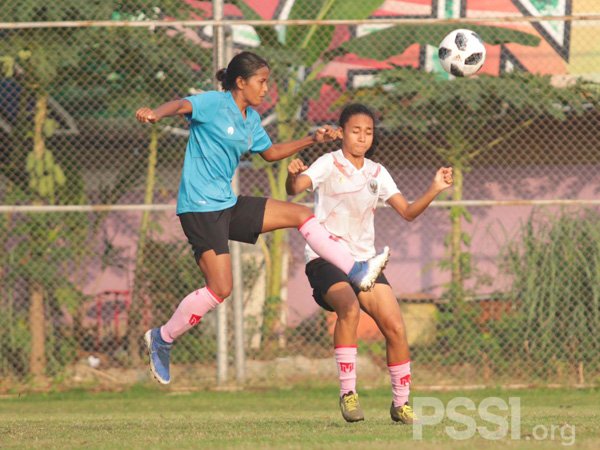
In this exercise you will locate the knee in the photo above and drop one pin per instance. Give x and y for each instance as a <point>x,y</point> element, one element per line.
<point>349,313</point>
<point>395,332</point>
<point>222,290</point>
<point>304,213</point>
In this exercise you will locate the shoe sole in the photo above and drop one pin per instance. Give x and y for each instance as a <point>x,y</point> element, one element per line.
<point>353,420</point>
<point>411,422</point>
<point>368,287</point>
<point>148,339</point>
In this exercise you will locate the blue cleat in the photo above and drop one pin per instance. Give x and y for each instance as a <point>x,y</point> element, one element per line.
<point>364,273</point>
<point>160,353</point>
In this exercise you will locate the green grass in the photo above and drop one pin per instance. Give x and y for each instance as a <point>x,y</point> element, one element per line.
<point>277,419</point>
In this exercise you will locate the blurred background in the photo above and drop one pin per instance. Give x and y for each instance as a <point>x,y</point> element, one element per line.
<point>499,280</point>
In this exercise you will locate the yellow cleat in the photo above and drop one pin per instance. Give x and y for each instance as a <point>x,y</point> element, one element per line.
<point>404,414</point>
<point>350,407</point>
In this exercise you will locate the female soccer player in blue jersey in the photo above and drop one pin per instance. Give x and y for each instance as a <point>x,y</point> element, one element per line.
<point>224,126</point>
<point>348,186</point>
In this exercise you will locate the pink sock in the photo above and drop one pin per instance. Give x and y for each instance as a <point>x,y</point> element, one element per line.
<point>189,312</point>
<point>325,245</point>
<point>400,375</point>
<point>345,357</point>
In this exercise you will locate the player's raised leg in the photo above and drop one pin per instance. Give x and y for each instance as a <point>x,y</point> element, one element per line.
<point>287,215</point>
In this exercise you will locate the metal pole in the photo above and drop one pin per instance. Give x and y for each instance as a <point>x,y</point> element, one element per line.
<point>236,267</point>
<point>287,22</point>
<point>218,63</point>
<point>238,311</point>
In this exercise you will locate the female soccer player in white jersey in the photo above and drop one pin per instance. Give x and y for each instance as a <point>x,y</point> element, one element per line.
<point>224,126</point>
<point>347,187</point>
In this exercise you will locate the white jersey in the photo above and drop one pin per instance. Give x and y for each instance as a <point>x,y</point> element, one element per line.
<point>346,198</point>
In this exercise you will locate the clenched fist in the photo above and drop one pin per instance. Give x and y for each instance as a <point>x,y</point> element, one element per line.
<point>296,167</point>
<point>146,115</point>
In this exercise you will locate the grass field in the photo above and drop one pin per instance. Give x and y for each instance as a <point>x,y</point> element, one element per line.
<point>278,419</point>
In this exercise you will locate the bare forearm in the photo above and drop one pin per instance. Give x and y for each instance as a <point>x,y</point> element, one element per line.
<point>415,208</point>
<point>285,149</point>
<point>289,184</point>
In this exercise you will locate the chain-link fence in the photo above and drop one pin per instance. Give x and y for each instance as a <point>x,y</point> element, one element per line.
<point>499,281</point>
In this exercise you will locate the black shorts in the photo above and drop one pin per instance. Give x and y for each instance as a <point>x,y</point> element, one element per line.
<point>212,230</point>
<point>322,275</point>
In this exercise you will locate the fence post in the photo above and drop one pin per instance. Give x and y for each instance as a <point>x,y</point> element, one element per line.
<point>218,63</point>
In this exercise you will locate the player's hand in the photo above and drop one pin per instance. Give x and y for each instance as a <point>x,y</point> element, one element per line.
<point>146,115</point>
<point>326,133</point>
<point>296,167</point>
<point>443,178</point>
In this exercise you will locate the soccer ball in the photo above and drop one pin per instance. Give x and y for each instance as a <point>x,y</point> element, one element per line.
<point>462,53</point>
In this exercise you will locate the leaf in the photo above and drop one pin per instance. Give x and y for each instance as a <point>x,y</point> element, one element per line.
<point>317,38</point>
<point>267,35</point>
<point>69,297</point>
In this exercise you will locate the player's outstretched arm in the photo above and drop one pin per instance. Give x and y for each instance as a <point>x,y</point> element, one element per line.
<point>285,149</point>
<point>296,182</point>
<point>410,211</point>
<point>173,108</point>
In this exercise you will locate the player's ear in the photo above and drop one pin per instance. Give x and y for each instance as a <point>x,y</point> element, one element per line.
<point>240,82</point>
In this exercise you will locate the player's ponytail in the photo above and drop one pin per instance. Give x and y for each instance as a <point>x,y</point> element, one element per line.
<point>244,64</point>
<point>354,109</point>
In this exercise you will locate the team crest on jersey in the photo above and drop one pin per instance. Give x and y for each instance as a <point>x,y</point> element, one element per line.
<point>230,131</point>
<point>373,186</point>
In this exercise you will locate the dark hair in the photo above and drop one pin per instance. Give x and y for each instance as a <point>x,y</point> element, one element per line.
<point>243,65</point>
<point>354,109</point>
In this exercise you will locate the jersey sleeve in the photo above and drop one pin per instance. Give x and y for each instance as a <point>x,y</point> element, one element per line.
<point>260,139</point>
<point>203,106</point>
<point>319,170</point>
<point>388,185</point>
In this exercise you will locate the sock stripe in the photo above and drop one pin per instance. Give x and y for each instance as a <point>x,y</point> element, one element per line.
<point>215,296</point>
<point>398,364</point>
<point>345,346</point>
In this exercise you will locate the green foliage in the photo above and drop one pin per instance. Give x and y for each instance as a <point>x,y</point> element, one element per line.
<point>555,265</point>
<point>45,175</point>
<point>424,103</point>
<point>554,315</point>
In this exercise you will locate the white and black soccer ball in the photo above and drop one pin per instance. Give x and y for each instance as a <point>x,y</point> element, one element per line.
<point>462,53</point>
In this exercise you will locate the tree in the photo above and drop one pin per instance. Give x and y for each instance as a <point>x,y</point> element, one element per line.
<point>116,70</point>
<point>42,57</point>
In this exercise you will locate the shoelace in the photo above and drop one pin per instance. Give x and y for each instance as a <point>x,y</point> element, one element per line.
<point>406,410</point>
<point>351,401</point>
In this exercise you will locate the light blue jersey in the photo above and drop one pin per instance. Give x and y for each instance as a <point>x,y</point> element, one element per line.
<point>219,136</point>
